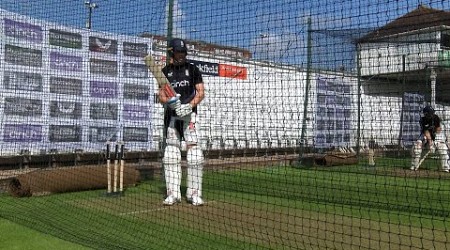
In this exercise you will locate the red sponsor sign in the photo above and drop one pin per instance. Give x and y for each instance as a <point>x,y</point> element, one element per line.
<point>160,60</point>
<point>232,71</point>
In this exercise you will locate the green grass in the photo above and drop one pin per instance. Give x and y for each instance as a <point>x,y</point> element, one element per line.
<point>333,187</point>
<point>17,237</point>
<point>253,209</point>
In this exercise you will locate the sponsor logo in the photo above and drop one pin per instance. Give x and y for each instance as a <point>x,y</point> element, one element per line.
<point>65,39</point>
<point>25,31</point>
<point>335,114</point>
<point>135,134</point>
<point>136,113</point>
<point>23,81</point>
<point>103,89</point>
<point>232,71</point>
<point>65,133</point>
<point>23,107</point>
<point>23,56</point>
<point>103,67</point>
<point>102,134</point>
<point>346,138</point>
<point>70,110</point>
<point>63,62</point>
<point>106,111</point>
<point>270,75</point>
<point>206,68</point>
<point>134,91</point>
<point>183,83</point>
<point>132,70</point>
<point>67,86</point>
<point>230,53</point>
<point>97,44</point>
<point>159,45</point>
<point>160,60</point>
<point>223,70</point>
<point>22,133</point>
<point>321,85</point>
<point>135,49</point>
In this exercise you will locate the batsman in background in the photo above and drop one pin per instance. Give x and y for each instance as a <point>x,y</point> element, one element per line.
<point>179,122</point>
<point>431,137</point>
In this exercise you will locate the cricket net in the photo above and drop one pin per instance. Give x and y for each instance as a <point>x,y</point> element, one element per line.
<point>307,128</point>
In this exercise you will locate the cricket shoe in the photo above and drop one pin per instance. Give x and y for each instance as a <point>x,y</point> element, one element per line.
<point>196,200</point>
<point>171,200</point>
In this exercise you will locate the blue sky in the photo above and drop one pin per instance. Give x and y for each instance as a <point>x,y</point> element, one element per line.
<point>272,30</point>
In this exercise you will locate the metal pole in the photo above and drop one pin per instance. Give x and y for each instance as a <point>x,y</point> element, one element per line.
<point>358,66</point>
<point>433,76</point>
<point>403,101</point>
<point>168,38</point>
<point>90,6</point>
<point>308,83</point>
<point>169,26</point>
<point>89,23</point>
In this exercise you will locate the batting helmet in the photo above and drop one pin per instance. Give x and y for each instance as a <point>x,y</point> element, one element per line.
<point>428,110</point>
<point>177,45</point>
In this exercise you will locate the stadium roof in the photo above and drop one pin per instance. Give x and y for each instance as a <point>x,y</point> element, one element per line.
<point>420,18</point>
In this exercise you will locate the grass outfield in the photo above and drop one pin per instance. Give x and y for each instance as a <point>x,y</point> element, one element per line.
<point>350,207</point>
<point>17,237</point>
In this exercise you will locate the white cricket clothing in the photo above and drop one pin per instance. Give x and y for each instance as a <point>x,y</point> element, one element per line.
<point>172,160</point>
<point>196,201</point>
<point>172,170</point>
<point>195,161</point>
<point>170,200</point>
<point>439,147</point>
<point>188,129</point>
<point>416,152</point>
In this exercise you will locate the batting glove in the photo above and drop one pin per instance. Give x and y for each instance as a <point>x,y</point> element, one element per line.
<point>432,148</point>
<point>183,110</point>
<point>174,102</point>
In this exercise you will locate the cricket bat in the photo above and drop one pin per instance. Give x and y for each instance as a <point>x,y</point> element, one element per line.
<point>108,166</point>
<point>161,79</point>
<point>122,164</point>
<point>423,159</point>
<point>116,168</point>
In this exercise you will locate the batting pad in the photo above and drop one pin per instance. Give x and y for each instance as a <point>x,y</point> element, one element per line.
<point>68,179</point>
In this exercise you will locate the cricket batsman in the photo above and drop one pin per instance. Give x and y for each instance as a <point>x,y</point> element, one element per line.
<point>179,122</point>
<point>431,137</point>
